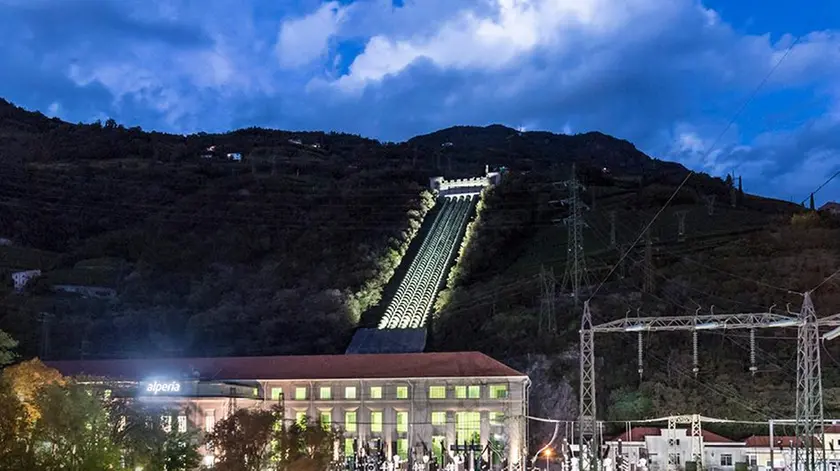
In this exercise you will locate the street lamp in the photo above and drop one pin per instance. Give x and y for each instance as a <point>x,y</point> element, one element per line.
<point>547,457</point>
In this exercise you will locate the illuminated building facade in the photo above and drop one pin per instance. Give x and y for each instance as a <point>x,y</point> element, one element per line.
<point>420,407</point>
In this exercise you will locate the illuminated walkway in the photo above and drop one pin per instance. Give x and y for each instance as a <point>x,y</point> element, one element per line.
<point>416,293</point>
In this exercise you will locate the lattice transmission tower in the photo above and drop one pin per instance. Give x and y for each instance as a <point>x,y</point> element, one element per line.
<point>548,293</point>
<point>575,278</point>
<point>809,453</point>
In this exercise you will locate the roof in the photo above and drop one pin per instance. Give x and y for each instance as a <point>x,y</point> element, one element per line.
<point>367,366</point>
<point>638,434</point>
<point>763,441</point>
<point>830,206</point>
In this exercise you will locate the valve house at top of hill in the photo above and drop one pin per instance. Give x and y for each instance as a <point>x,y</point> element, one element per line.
<point>419,407</point>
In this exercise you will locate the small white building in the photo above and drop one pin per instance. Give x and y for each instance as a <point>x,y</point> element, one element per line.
<point>21,278</point>
<point>235,156</point>
<point>651,445</point>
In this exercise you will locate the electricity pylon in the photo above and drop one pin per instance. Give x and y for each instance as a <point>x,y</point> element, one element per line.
<point>575,277</point>
<point>681,224</point>
<point>548,293</point>
<point>809,403</point>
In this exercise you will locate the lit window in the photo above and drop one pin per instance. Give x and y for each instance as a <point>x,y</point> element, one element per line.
<point>498,391</point>
<point>349,447</point>
<point>182,424</point>
<point>350,421</point>
<point>166,423</point>
<point>467,427</point>
<point>460,392</point>
<point>326,419</point>
<point>437,392</point>
<point>209,420</point>
<point>402,448</point>
<point>376,421</point>
<point>276,393</point>
<point>325,393</point>
<point>376,392</point>
<point>402,422</point>
<point>474,392</point>
<point>725,459</point>
<point>496,418</point>
<point>300,394</point>
<point>402,392</point>
<point>350,392</point>
<point>438,418</point>
<point>256,392</point>
<point>300,417</point>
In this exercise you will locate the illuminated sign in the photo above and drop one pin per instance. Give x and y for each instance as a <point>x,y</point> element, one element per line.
<point>156,387</point>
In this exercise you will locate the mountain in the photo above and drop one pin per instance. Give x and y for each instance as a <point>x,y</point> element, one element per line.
<point>179,248</point>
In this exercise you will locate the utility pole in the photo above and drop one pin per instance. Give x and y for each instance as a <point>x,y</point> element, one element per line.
<point>809,403</point>
<point>649,285</point>
<point>710,204</point>
<point>575,275</point>
<point>548,293</point>
<point>681,224</point>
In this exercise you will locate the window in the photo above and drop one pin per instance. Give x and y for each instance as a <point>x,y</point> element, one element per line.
<point>498,391</point>
<point>276,393</point>
<point>349,447</point>
<point>209,420</point>
<point>725,459</point>
<point>467,427</point>
<point>350,392</point>
<point>300,394</point>
<point>402,448</point>
<point>376,421</point>
<point>438,418</point>
<point>402,392</point>
<point>471,392</point>
<point>437,392</point>
<point>674,458</point>
<point>326,419</point>
<point>376,392</point>
<point>256,392</point>
<point>166,423</point>
<point>752,460</point>
<point>182,424</point>
<point>350,421</point>
<point>497,418</point>
<point>325,393</point>
<point>402,422</point>
<point>300,417</point>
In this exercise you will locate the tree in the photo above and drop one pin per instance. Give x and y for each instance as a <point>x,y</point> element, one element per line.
<point>144,442</point>
<point>15,454</point>
<point>76,428</point>
<point>26,380</point>
<point>242,441</point>
<point>7,344</point>
<point>251,440</point>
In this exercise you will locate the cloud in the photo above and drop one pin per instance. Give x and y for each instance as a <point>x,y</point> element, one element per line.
<point>305,39</point>
<point>666,75</point>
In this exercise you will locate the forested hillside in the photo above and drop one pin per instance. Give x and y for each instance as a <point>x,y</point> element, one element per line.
<point>284,250</point>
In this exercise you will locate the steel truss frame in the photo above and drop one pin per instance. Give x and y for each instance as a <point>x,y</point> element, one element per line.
<point>809,404</point>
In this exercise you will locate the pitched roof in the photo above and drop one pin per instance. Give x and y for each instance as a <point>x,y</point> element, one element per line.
<point>763,441</point>
<point>638,434</point>
<point>371,366</point>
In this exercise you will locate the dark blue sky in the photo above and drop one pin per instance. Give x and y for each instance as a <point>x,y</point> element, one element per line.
<point>667,75</point>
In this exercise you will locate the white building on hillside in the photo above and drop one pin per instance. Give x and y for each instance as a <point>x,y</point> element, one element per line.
<point>21,278</point>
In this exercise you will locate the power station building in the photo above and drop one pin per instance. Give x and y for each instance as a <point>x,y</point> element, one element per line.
<point>420,407</point>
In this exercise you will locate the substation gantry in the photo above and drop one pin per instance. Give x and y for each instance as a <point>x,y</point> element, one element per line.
<point>809,405</point>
